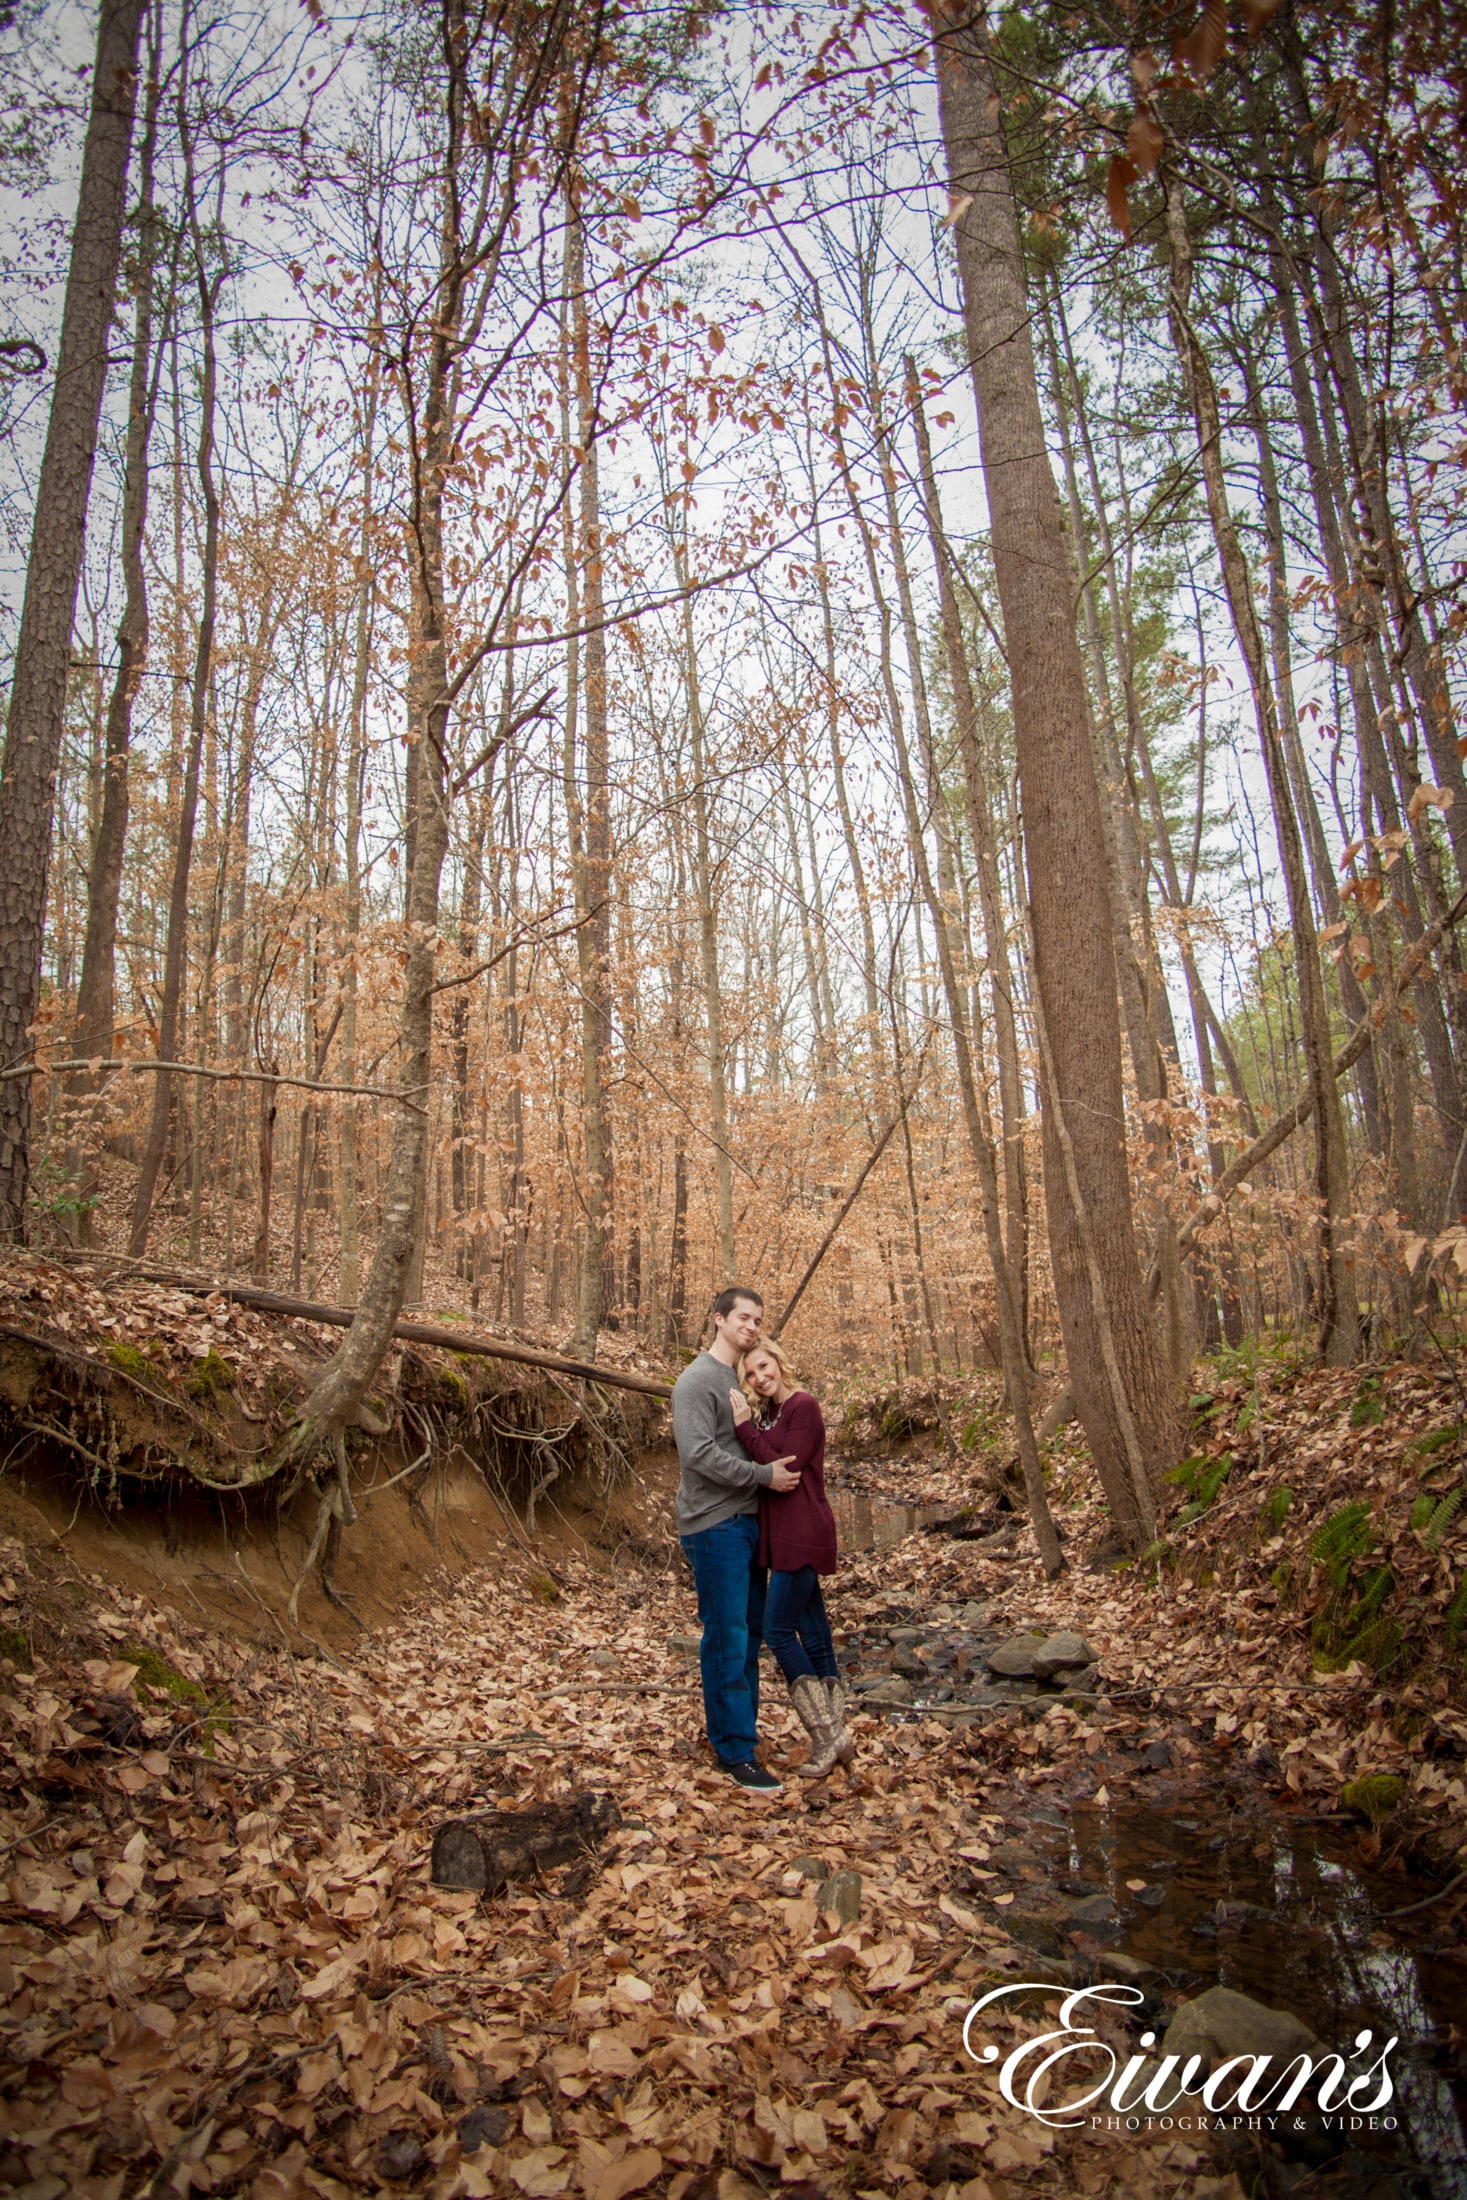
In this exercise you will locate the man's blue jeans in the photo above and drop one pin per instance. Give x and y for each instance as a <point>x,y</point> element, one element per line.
<point>730,1589</point>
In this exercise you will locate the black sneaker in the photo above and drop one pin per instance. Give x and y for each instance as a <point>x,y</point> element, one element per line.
<point>755,1777</point>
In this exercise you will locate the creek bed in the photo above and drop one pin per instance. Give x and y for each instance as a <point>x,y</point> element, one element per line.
<point>1283,1909</point>
<point>1217,1886</point>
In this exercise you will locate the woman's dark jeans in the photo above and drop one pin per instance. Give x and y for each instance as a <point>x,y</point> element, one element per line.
<point>797,1627</point>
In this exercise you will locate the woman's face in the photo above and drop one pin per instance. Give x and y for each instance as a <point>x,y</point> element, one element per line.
<point>761,1373</point>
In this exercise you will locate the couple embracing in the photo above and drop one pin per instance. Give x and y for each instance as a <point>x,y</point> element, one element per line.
<point>758,1532</point>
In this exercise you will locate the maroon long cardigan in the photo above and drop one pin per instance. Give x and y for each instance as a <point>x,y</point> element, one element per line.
<point>796,1527</point>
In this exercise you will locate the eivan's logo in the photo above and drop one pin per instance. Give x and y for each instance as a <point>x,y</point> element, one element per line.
<point>1147,2089</point>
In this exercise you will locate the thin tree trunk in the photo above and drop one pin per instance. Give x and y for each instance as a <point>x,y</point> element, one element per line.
<point>53,573</point>
<point>590,888</point>
<point>1339,1324</point>
<point>260,1257</point>
<point>979,810</point>
<point>95,992</point>
<point>356,766</point>
<point>175,951</point>
<point>707,932</point>
<point>461,262</point>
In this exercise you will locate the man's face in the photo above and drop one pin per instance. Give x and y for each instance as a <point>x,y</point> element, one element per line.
<point>740,1328</point>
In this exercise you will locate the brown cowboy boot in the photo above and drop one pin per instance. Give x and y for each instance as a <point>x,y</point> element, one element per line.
<point>835,1697</point>
<point>812,1708</point>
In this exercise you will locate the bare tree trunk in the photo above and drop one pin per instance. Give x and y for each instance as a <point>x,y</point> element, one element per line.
<point>260,1257</point>
<point>1321,870</point>
<point>979,810</point>
<point>537,56</point>
<point>707,933</point>
<point>1339,1324</point>
<point>209,287</point>
<point>1355,637</point>
<point>356,766</point>
<point>842,796</point>
<point>53,572</point>
<point>586,834</point>
<point>95,992</point>
<point>1126,1395</point>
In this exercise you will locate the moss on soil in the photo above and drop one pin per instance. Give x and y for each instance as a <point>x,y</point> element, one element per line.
<point>130,1359</point>
<point>210,1378</point>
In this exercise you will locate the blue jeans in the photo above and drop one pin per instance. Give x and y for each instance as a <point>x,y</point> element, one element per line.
<point>730,1589</point>
<point>797,1626</point>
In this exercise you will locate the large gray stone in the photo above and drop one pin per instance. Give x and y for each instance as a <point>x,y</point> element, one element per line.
<point>1061,1653</point>
<point>973,1614</point>
<point>1014,1659</point>
<point>841,1893</point>
<point>905,1660</point>
<point>1130,1970</point>
<point>894,1693</point>
<point>1093,1909</point>
<point>1222,2023</point>
<point>1017,1860</point>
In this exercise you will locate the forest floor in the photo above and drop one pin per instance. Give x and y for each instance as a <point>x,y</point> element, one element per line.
<point>225,1969</point>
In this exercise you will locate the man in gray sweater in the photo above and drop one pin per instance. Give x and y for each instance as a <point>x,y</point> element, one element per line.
<point>718,1524</point>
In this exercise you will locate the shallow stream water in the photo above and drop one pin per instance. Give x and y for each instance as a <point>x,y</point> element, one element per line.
<point>1223,1888</point>
<point>868,1520</point>
<point>1302,1927</point>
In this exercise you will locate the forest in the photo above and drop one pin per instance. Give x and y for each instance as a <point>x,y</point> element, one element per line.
<point>660,647</point>
<point>625,626</point>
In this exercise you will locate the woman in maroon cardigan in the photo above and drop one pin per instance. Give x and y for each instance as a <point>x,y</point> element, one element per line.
<point>797,1543</point>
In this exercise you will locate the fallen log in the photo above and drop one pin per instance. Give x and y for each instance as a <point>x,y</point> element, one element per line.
<point>484,1853</point>
<point>455,1340</point>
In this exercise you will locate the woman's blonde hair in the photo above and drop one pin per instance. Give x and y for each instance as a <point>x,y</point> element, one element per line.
<point>777,1353</point>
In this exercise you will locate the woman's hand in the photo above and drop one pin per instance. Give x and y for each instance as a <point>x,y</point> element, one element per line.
<point>739,1407</point>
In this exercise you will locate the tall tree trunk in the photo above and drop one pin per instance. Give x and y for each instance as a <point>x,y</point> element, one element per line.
<point>356,768</point>
<point>53,572</point>
<point>583,583</point>
<point>176,946</point>
<point>1339,1323</point>
<point>832,699</point>
<point>1127,1399</point>
<point>1321,870</point>
<point>707,929</point>
<point>538,49</point>
<point>979,810</point>
<point>95,992</point>
<point>1355,638</point>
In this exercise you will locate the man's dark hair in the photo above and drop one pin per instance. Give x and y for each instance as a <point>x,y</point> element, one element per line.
<point>727,1300</point>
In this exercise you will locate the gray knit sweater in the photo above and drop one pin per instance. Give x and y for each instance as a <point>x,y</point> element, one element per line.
<point>718,1479</point>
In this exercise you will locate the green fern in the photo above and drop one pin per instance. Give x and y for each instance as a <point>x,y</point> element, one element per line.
<point>1442,1518</point>
<point>1342,1538</point>
<point>1368,1410</point>
<point>1344,1631</point>
<point>1377,1587</point>
<point>1436,1441</point>
<point>1276,1506</point>
<point>1187,1472</point>
<point>1456,1613</point>
<point>1202,1482</point>
<point>1422,1511</point>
